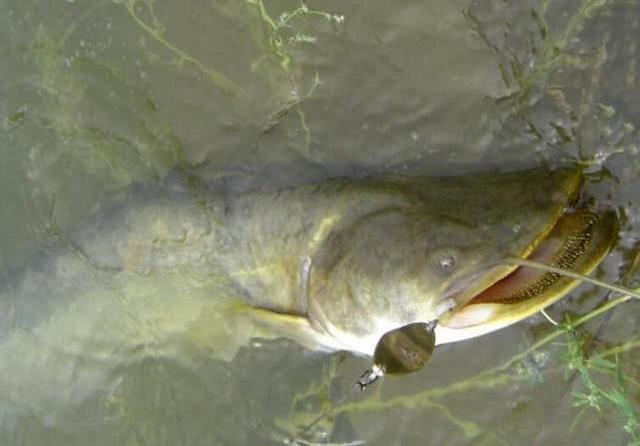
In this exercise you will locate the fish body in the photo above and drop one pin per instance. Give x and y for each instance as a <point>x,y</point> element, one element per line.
<point>183,270</point>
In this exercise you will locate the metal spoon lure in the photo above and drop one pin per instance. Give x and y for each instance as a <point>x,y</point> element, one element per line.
<point>404,350</point>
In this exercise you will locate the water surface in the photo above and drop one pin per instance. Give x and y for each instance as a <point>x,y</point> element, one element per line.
<point>99,95</point>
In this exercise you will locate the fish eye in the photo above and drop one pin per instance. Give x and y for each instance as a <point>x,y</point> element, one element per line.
<point>447,263</point>
<point>444,260</point>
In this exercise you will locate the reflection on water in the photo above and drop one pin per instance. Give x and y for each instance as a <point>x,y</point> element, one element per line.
<point>97,96</point>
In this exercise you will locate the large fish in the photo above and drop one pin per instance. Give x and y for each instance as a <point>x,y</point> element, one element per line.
<point>184,270</point>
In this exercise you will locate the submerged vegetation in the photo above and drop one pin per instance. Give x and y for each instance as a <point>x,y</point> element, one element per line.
<point>281,40</point>
<point>541,64</point>
<point>138,139</point>
<point>595,396</point>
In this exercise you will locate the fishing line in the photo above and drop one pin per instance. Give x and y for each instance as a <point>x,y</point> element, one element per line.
<point>573,275</point>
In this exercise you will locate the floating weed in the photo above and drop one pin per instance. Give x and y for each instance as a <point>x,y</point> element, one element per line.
<point>281,35</point>
<point>282,41</point>
<point>596,396</point>
<point>535,69</point>
<point>281,38</point>
<point>533,367</point>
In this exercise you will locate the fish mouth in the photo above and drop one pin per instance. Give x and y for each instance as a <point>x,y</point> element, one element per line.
<point>578,241</point>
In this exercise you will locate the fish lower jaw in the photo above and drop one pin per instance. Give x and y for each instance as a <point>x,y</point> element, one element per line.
<point>475,325</point>
<point>335,339</point>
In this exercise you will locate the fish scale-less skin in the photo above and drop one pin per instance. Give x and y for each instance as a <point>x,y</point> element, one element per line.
<point>288,227</point>
<point>177,270</point>
<point>263,242</point>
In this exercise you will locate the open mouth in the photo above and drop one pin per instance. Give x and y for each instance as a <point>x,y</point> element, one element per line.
<point>578,241</point>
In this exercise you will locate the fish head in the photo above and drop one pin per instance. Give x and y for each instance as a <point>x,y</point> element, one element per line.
<point>443,255</point>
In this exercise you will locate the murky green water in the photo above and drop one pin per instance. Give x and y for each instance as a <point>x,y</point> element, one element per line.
<point>98,95</point>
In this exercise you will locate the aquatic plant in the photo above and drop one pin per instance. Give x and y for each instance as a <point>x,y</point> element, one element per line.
<point>544,61</point>
<point>282,39</point>
<point>595,396</point>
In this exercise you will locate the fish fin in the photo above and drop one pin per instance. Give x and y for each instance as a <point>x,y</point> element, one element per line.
<point>293,326</point>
